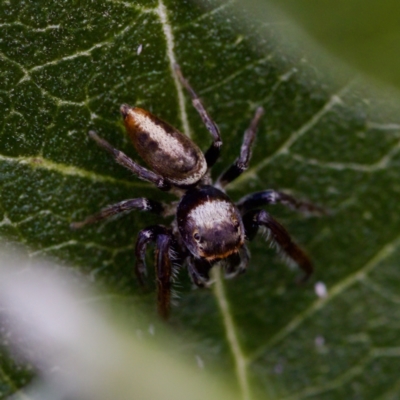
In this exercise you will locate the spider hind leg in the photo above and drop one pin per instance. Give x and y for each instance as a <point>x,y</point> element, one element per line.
<point>122,159</point>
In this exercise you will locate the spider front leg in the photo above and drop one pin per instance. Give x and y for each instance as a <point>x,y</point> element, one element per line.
<point>140,203</point>
<point>122,159</point>
<point>242,163</point>
<point>237,263</point>
<point>199,271</point>
<point>279,236</point>
<point>214,151</point>
<point>146,236</point>
<point>163,274</point>
<point>259,199</point>
<point>165,247</point>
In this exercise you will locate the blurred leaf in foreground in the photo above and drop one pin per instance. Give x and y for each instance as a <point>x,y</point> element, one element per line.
<point>79,352</point>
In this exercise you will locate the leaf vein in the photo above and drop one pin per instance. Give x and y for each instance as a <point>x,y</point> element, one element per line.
<point>82,53</point>
<point>340,166</point>
<point>346,376</point>
<point>72,242</point>
<point>334,100</point>
<point>373,286</point>
<point>234,75</point>
<point>161,12</point>
<point>231,335</point>
<point>31,28</point>
<point>67,170</point>
<point>336,290</point>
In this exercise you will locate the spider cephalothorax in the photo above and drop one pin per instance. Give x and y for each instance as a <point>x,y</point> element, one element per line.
<point>209,223</point>
<point>209,227</point>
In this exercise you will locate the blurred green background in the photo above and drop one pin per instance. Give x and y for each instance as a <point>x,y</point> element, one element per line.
<point>363,33</point>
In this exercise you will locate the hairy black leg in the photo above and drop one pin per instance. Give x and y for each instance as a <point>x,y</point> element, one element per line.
<point>199,271</point>
<point>237,263</point>
<point>259,199</point>
<point>167,252</point>
<point>279,236</point>
<point>214,151</point>
<point>140,203</point>
<point>122,159</point>
<point>242,162</point>
<point>163,274</point>
<point>146,236</point>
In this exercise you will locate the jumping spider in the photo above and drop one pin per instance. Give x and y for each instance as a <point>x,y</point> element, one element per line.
<point>208,227</point>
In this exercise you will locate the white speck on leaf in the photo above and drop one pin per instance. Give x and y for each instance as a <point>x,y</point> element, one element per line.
<point>200,362</point>
<point>278,368</point>
<point>151,330</point>
<point>320,289</point>
<point>319,341</point>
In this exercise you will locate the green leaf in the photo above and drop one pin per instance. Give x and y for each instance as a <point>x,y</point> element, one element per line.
<point>327,136</point>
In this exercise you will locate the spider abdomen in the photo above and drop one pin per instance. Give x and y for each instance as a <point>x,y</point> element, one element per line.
<point>165,150</point>
<point>209,223</point>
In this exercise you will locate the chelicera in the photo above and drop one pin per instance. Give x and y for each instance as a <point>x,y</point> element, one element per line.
<point>209,228</point>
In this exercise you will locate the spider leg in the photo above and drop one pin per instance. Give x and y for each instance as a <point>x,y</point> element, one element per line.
<point>237,263</point>
<point>122,159</point>
<point>242,162</point>
<point>164,275</point>
<point>266,197</point>
<point>199,271</point>
<point>214,151</point>
<point>166,252</point>
<point>146,236</point>
<point>278,235</point>
<point>140,203</point>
